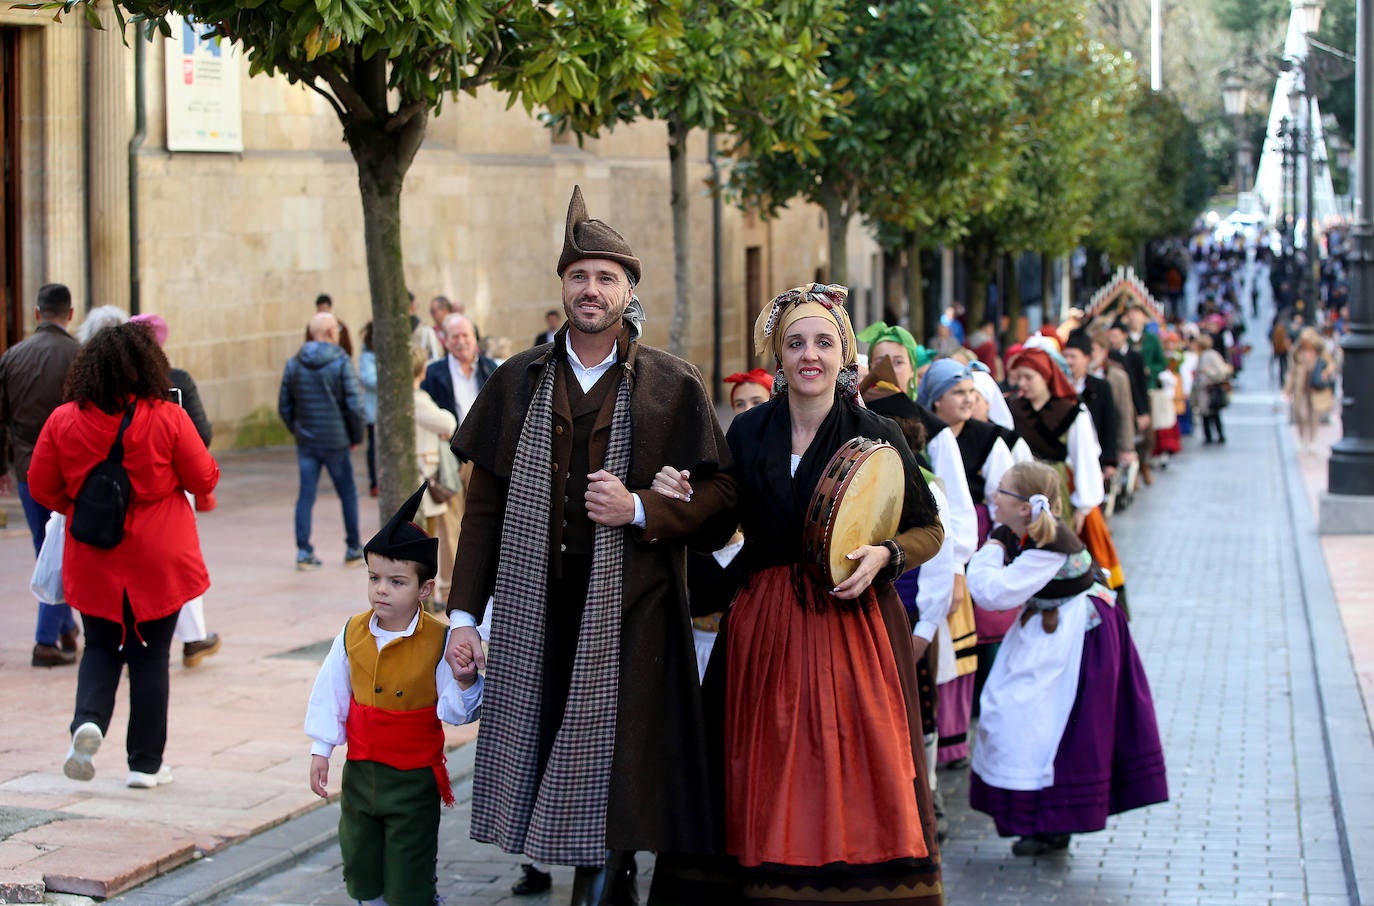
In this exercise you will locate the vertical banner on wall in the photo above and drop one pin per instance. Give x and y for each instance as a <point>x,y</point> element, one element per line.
<point>203,110</point>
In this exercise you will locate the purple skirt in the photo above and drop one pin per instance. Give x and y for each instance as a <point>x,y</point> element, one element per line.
<point>953,712</point>
<point>1110,759</point>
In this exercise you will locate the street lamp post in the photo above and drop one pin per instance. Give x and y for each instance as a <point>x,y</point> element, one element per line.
<point>1233,98</point>
<point>1287,194</point>
<point>1300,106</point>
<point>1351,468</point>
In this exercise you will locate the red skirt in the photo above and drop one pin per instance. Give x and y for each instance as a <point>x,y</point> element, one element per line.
<point>1168,440</point>
<point>818,746</point>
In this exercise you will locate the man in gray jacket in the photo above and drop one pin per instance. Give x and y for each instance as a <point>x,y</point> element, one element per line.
<point>31,377</point>
<point>321,402</point>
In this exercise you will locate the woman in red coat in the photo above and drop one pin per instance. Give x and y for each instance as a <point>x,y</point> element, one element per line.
<point>128,595</point>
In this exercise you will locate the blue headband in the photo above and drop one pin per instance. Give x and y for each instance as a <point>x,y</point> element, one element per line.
<point>942,376</point>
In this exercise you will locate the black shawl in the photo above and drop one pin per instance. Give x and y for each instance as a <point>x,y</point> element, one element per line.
<point>772,504</point>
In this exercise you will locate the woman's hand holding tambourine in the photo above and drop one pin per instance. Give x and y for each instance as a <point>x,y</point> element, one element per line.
<point>872,558</point>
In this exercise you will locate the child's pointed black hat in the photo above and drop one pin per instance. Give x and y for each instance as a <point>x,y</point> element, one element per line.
<point>402,539</point>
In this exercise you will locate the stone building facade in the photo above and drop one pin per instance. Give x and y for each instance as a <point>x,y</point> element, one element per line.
<point>233,248</point>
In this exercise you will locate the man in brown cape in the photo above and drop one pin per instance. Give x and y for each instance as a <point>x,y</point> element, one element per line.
<point>592,743</point>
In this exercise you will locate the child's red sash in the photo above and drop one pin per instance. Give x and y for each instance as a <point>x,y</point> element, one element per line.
<point>404,740</point>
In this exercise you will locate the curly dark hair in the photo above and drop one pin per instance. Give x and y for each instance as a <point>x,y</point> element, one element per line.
<point>116,364</point>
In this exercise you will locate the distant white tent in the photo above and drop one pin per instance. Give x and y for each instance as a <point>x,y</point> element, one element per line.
<point>1269,182</point>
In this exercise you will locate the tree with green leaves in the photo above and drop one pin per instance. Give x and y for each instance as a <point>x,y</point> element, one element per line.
<point>750,70</point>
<point>1153,180</point>
<point>921,140</point>
<point>1070,96</point>
<point>384,67</point>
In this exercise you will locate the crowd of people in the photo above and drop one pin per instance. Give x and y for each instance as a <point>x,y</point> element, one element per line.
<point>634,609</point>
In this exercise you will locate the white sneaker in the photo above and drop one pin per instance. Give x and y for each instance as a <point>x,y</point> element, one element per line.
<point>141,781</point>
<point>85,743</point>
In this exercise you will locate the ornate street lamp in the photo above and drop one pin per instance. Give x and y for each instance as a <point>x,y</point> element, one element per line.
<point>1309,14</point>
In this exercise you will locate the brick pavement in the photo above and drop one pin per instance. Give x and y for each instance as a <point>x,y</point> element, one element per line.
<point>1220,622</point>
<point>235,742</point>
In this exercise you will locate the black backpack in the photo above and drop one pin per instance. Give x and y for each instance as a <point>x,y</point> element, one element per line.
<point>100,505</point>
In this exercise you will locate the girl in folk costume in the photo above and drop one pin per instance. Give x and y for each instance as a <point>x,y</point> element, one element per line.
<point>749,389</point>
<point>713,579</point>
<point>1169,439</point>
<point>909,359</point>
<point>928,590</point>
<point>1060,432</point>
<point>820,700</point>
<point>943,457</point>
<point>947,388</point>
<point>990,405</point>
<point>1067,733</point>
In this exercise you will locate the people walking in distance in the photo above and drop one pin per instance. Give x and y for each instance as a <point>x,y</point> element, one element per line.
<point>321,402</point>
<point>119,412</point>
<point>32,373</point>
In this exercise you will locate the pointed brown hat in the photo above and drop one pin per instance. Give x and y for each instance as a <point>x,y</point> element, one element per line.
<point>584,237</point>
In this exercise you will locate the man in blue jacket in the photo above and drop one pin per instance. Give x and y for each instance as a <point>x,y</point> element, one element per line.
<point>321,402</point>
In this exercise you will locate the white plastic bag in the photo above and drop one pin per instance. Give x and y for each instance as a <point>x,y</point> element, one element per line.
<point>46,583</point>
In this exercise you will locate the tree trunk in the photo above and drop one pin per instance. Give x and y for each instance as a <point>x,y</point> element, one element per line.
<point>837,213</point>
<point>979,258</point>
<point>915,288</point>
<point>1012,291</point>
<point>382,157</point>
<point>1047,284</point>
<point>680,333</point>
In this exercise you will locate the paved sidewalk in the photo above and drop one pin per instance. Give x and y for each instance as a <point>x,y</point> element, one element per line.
<point>235,740</point>
<point>1222,622</point>
<point>1259,742</point>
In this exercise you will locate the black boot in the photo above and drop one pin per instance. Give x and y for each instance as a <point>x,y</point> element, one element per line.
<point>532,881</point>
<point>613,884</point>
<point>624,880</point>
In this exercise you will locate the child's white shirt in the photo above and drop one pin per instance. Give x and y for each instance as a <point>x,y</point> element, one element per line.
<point>327,713</point>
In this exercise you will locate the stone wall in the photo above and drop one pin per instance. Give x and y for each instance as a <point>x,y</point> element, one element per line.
<point>234,248</point>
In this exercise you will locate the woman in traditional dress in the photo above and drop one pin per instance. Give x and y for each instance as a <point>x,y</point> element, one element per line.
<point>948,390</point>
<point>1067,733</point>
<point>909,358</point>
<point>1060,432</point>
<point>825,793</point>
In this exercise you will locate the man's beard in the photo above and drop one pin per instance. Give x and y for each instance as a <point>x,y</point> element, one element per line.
<point>599,324</point>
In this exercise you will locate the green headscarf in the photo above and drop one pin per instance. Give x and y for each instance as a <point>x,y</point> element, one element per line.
<point>918,355</point>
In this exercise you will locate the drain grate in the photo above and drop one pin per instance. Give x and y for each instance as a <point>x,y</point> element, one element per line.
<point>315,651</point>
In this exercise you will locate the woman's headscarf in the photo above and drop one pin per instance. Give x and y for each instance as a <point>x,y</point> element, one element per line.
<point>1052,348</point>
<point>999,413</point>
<point>757,376</point>
<point>942,376</point>
<point>814,300</point>
<point>1039,361</point>
<point>917,355</point>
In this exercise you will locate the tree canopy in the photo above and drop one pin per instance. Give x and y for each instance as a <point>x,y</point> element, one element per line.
<point>384,66</point>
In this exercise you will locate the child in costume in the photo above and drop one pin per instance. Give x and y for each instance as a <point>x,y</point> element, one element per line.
<point>384,688</point>
<point>1067,732</point>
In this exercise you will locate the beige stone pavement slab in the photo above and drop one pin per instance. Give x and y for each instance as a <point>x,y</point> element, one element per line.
<point>1348,563</point>
<point>235,741</point>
